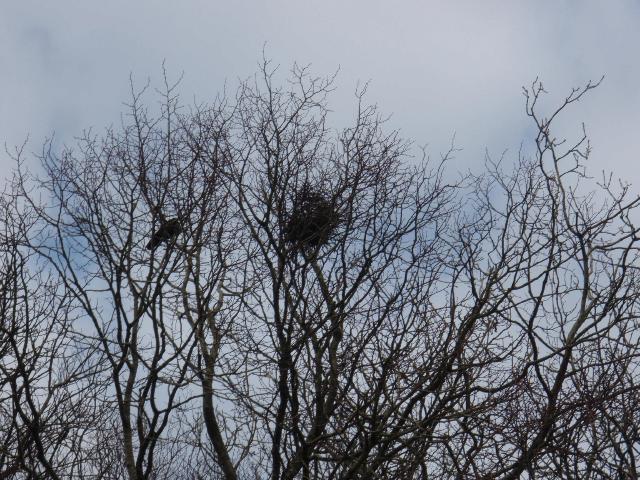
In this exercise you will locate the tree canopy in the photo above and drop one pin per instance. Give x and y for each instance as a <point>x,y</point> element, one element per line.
<point>329,306</point>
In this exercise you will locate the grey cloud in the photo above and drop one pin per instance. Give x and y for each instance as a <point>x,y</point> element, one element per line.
<point>439,67</point>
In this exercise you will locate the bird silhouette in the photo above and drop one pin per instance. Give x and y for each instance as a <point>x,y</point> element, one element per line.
<point>167,231</point>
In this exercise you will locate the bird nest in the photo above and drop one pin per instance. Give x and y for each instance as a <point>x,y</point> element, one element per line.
<point>312,218</point>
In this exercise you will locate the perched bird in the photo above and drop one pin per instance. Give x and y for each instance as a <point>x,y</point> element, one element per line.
<point>167,230</point>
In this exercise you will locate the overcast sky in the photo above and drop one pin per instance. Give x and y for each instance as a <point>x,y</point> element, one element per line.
<point>439,67</point>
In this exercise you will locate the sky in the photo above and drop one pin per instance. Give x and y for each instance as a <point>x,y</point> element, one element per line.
<point>439,68</point>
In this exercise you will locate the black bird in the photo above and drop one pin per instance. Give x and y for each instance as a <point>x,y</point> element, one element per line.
<point>168,230</point>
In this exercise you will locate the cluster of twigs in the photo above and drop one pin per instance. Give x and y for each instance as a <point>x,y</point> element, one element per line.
<point>312,219</point>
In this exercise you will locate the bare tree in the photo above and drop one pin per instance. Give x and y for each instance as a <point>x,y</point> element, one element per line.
<point>48,412</point>
<point>248,293</point>
<point>102,206</point>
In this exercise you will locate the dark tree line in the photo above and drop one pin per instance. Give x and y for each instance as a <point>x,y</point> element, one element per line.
<point>238,291</point>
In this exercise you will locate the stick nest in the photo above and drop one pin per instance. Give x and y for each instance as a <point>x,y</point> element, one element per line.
<point>312,219</point>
